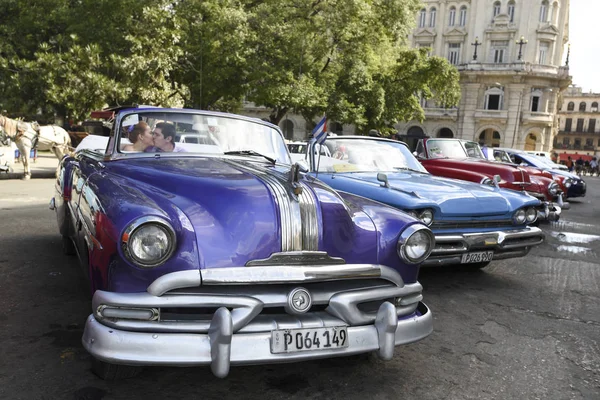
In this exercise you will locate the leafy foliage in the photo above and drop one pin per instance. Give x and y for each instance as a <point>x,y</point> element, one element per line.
<point>346,58</point>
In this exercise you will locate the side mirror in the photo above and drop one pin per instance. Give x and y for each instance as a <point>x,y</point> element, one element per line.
<point>415,154</point>
<point>381,177</point>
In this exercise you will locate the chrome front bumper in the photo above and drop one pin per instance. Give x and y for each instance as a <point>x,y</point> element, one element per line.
<point>505,244</point>
<point>221,348</point>
<point>235,310</point>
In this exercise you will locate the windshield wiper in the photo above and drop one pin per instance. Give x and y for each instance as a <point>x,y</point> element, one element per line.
<point>408,169</point>
<point>250,153</point>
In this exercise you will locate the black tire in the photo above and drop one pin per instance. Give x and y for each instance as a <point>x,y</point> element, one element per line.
<point>478,265</point>
<point>68,246</point>
<point>113,372</point>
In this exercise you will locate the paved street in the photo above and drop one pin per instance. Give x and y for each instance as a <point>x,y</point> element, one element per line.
<point>527,328</point>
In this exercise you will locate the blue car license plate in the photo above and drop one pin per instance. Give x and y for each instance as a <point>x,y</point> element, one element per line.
<point>294,340</point>
<point>480,256</point>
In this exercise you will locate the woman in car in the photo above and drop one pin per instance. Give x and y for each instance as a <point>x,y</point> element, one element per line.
<point>140,137</point>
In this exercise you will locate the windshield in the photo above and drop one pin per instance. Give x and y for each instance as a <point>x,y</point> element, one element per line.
<point>443,148</point>
<point>502,156</point>
<point>366,155</point>
<point>163,131</point>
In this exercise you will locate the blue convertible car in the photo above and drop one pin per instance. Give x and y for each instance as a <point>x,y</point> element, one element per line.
<point>473,223</point>
<point>222,253</point>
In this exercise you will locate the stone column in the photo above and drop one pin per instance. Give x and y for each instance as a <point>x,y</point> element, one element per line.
<point>468,105</point>
<point>514,106</point>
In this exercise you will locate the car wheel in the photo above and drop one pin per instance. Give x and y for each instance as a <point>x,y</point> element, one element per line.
<point>68,246</point>
<point>478,265</point>
<point>113,372</point>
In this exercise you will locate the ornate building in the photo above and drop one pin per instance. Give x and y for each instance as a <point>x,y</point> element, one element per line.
<point>579,125</point>
<point>509,54</point>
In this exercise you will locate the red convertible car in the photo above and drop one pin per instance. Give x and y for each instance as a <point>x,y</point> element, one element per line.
<point>460,159</point>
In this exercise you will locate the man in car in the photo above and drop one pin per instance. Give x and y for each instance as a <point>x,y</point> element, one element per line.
<point>164,139</point>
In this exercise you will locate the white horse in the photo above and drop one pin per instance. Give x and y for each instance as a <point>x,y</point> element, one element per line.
<point>28,136</point>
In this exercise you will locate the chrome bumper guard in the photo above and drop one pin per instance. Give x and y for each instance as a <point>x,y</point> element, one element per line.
<point>505,244</point>
<point>549,211</point>
<point>126,328</point>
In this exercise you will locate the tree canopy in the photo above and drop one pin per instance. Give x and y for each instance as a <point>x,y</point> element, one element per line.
<point>346,58</point>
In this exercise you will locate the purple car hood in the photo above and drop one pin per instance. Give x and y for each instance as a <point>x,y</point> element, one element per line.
<point>232,211</point>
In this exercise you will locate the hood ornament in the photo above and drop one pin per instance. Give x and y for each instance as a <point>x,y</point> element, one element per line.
<point>294,177</point>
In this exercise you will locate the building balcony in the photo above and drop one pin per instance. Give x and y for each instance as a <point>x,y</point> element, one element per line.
<point>526,67</point>
<point>576,132</point>
<point>496,115</point>
<point>534,117</point>
<point>440,113</point>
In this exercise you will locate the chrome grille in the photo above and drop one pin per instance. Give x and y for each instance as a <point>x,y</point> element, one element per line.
<point>471,224</point>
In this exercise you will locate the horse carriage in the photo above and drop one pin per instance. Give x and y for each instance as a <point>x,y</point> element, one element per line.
<point>28,136</point>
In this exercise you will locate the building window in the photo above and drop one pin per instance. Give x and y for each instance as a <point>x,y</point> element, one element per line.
<point>536,100</point>
<point>544,46</point>
<point>598,142</point>
<point>571,106</point>
<point>579,125</point>
<point>452,16</point>
<point>577,144</point>
<point>422,16</point>
<point>594,107</point>
<point>499,51</point>
<point>544,11</point>
<point>454,53</point>
<point>592,126</point>
<point>566,141</point>
<point>511,11</point>
<point>496,9</point>
<point>568,124</point>
<point>432,13</point>
<point>589,142</point>
<point>582,106</point>
<point>462,19</point>
<point>494,98</point>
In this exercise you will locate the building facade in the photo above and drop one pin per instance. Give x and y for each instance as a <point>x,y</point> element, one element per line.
<point>510,57</point>
<point>579,125</point>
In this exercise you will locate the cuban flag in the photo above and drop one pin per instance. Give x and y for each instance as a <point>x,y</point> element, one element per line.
<point>320,131</point>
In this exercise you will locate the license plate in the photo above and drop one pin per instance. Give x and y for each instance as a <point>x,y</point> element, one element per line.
<point>480,256</point>
<point>310,339</point>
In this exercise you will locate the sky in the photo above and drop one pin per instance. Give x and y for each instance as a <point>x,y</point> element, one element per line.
<point>584,61</point>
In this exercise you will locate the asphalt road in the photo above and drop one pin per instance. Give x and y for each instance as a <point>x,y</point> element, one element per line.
<point>526,328</point>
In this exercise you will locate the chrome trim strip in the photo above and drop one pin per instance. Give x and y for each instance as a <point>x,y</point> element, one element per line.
<point>287,274</point>
<point>298,258</point>
<point>310,219</point>
<point>271,274</point>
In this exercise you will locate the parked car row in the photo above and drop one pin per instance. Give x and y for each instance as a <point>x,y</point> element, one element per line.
<point>230,251</point>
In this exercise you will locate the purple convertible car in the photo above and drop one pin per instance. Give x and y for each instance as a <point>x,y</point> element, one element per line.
<point>224,253</point>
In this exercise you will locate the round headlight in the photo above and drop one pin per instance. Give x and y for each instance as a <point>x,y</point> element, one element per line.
<point>568,182</point>
<point>148,242</point>
<point>520,217</point>
<point>415,244</point>
<point>530,215</point>
<point>426,217</point>
<point>553,188</point>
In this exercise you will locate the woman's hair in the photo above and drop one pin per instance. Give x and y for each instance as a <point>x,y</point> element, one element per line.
<point>137,130</point>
